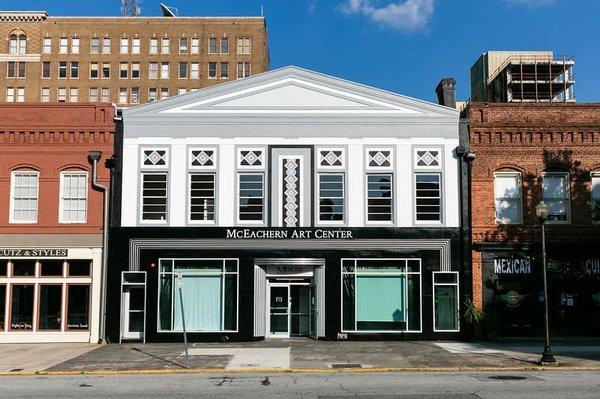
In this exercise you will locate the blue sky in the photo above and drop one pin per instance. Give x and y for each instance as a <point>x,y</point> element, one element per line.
<point>404,46</point>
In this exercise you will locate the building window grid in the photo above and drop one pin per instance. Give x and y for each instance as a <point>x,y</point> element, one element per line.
<point>73,200</point>
<point>212,70</point>
<point>194,70</point>
<point>73,94</point>
<point>428,197</point>
<point>63,45</point>
<point>244,45</point>
<point>24,196</point>
<point>135,70</point>
<point>251,198</point>
<point>46,67</point>
<point>75,45</point>
<point>153,49</point>
<point>62,69</point>
<point>74,70</point>
<point>45,94</point>
<point>47,47</point>
<point>94,45</point>
<point>123,70</point>
<point>183,45</point>
<point>224,70</point>
<point>224,45</point>
<point>331,198</point>
<point>10,94</point>
<point>154,197</point>
<point>508,197</point>
<point>212,45</point>
<point>164,70</point>
<point>380,198</point>
<point>195,48</point>
<point>124,48</point>
<point>93,94</point>
<point>62,94</point>
<point>202,197</point>
<point>18,44</point>
<point>136,44</point>
<point>165,45</point>
<point>244,70</point>
<point>183,70</point>
<point>106,44</point>
<point>556,194</point>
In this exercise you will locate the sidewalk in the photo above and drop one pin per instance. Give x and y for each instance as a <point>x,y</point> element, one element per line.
<point>317,356</point>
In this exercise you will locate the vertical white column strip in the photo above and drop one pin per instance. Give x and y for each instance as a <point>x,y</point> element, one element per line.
<point>226,194</point>
<point>178,192</point>
<point>355,182</point>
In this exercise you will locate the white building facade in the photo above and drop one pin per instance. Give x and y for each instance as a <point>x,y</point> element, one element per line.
<point>288,204</point>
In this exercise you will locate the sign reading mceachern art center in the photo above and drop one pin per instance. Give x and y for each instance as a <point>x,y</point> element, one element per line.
<point>292,234</point>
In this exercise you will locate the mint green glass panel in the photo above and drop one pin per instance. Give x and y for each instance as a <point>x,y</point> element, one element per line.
<point>380,298</point>
<point>202,300</point>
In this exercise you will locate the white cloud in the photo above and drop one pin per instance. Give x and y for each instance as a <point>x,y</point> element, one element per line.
<point>405,15</point>
<point>530,3</point>
<point>312,5</point>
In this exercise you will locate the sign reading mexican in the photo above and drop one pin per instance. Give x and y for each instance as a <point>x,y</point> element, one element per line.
<point>37,253</point>
<point>512,266</point>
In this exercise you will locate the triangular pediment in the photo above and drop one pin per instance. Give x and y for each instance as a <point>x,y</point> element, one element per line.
<point>291,91</point>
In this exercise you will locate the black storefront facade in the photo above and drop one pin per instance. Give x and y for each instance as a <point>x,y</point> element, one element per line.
<point>513,288</point>
<point>282,282</point>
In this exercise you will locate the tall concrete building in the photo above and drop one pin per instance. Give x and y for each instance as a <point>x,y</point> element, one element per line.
<point>522,76</point>
<point>124,60</point>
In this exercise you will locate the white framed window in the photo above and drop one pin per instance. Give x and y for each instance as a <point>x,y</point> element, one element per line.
<point>381,295</point>
<point>331,197</point>
<point>216,310</point>
<point>124,49</point>
<point>46,69</point>
<point>251,198</point>
<point>45,94</point>
<point>195,49</point>
<point>153,70</point>
<point>106,45</point>
<point>183,70</point>
<point>243,69</point>
<point>136,44</point>
<point>18,44</point>
<point>123,70</point>
<point>93,94</point>
<point>135,70</point>
<point>154,197</point>
<point>106,70</point>
<point>75,45</point>
<point>181,90</point>
<point>74,69</point>
<point>194,70</point>
<point>93,70</point>
<point>380,198</point>
<point>164,70</point>
<point>73,94</point>
<point>428,197</point>
<point>224,70</point>
<point>95,45</point>
<point>63,45</point>
<point>20,94</point>
<point>164,93</point>
<point>10,94</point>
<point>201,206</point>
<point>47,49</point>
<point>135,95</point>
<point>183,45</point>
<point>152,94</point>
<point>212,70</point>
<point>224,45</point>
<point>556,194</point>
<point>24,194</point>
<point>446,302</point>
<point>212,45</point>
<point>165,45</point>
<point>106,94</point>
<point>123,95</point>
<point>244,45</point>
<point>62,69</point>
<point>62,94</point>
<point>508,197</point>
<point>73,197</point>
<point>153,49</point>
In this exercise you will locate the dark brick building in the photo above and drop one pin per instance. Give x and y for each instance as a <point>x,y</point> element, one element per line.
<point>527,153</point>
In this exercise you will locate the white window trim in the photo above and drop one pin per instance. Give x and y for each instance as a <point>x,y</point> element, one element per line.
<point>12,197</point>
<point>223,273</point>
<point>264,219</point>
<point>141,195</point>
<point>330,167</point>
<point>519,176</point>
<point>189,197</point>
<point>366,205</point>
<point>61,200</point>
<point>317,195</point>
<point>439,222</point>
<point>457,285</point>
<point>420,273</point>
<point>567,198</point>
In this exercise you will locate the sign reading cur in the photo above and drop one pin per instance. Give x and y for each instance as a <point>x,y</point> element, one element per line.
<point>268,234</point>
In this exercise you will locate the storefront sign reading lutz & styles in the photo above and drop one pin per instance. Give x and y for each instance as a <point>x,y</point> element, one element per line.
<point>295,234</point>
<point>38,252</point>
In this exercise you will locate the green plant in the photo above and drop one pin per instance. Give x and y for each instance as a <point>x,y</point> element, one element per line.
<point>473,315</point>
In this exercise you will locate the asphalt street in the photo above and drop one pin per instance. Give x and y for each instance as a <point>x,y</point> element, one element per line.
<point>471,385</point>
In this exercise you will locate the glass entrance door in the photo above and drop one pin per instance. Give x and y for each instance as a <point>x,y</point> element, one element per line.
<point>133,305</point>
<point>279,311</point>
<point>290,310</point>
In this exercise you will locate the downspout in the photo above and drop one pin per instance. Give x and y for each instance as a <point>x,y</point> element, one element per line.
<point>94,157</point>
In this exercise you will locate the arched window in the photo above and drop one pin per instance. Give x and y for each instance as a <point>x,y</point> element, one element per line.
<point>508,195</point>
<point>18,43</point>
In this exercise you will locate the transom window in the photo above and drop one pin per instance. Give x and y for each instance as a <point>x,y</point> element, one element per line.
<point>379,158</point>
<point>202,158</point>
<point>250,158</point>
<point>428,197</point>
<point>381,295</point>
<point>24,197</point>
<point>251,195</point>
<point>427,158</point>
<point>155,157</point>
<point>509,202</point>
<point>379,197</point>
<point>555,193</point>
<point>202,197</point>
<point>73,199</point>
<point>331,197</point>
<point>210,291</point>
<point>331,158</point>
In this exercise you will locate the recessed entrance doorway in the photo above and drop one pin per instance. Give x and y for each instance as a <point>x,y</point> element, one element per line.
<point>291,310</point>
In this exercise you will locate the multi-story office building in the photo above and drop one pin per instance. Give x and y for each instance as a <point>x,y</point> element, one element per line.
<point>124,60</point>
<point>288,204</point>
<point>51,220</point>
<point>522,76</point>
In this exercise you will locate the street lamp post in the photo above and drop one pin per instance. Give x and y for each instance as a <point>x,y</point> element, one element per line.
<point>541,211</point>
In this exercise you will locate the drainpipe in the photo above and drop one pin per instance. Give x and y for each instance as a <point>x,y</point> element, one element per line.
<point>94,157</point>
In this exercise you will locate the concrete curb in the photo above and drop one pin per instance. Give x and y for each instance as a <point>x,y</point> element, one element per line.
<point>301,371</point>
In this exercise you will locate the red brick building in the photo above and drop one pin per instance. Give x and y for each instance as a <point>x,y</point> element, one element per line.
<point>51,220</point>
<point>527,153</point>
